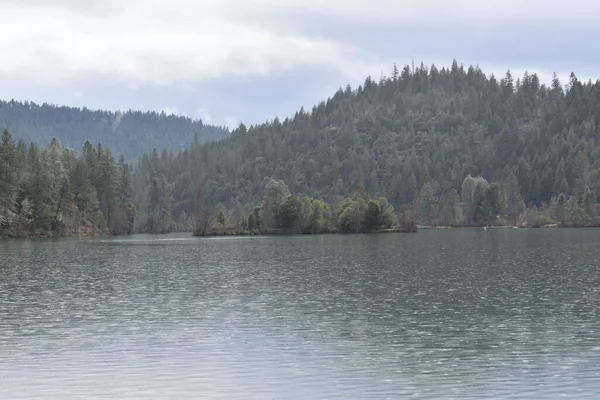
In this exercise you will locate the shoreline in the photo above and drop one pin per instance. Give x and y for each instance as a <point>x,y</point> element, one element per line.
<point>237,232</point>
<point>240,233</point>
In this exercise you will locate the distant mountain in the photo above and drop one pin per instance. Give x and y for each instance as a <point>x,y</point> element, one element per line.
<point>130,133</point>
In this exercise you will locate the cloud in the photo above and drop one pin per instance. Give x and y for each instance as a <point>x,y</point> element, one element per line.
<point>171,110</point>
<point>244,60</point>
<point>205,115</point>
<point>232,122</point>
<point>149,41</point>
<point>181,41</point>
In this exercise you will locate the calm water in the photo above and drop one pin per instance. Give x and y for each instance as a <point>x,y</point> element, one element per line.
<point>496,314</point>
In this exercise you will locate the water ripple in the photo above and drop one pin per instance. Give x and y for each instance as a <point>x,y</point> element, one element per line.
<point>461,314</point>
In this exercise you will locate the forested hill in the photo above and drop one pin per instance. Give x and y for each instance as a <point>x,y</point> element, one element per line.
<point>129,133</point>
<point>437,146</point>
<point>412,137</point>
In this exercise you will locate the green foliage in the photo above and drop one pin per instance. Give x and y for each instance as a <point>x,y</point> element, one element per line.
<point>221,219</point>
<point>543,220</point>
<point>357,213</point>
<point>589,200</point>
<point>159,211</point>
<point>474,191</point>
<point>512,198</point>
<point>289,212</point>
<point>372,218</point>
<point>54,191</point>
<point>576,214</point>
<point>445,146</point>
<point>352,212</point>
<point>351,215</point>
<point>8,177</point>
<point>432,137</point>
<point>244,223</point>
<point>275,193</point>
<point>560,181</point>
<point>493,203</point>
<point>450,212</point>
<point>379,214</point>
<point>320,218</point>
<point>8,163</point>
<point>428,203</point>
<point>387,214</point>
<point>252,222</point>
<point>130,133</point>
<point>303,215</point>
<point>560,209</point>
<point>257,220</point>
<point>125,211</point>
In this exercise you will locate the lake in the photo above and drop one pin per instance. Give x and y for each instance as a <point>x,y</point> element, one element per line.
<point>460,313</point>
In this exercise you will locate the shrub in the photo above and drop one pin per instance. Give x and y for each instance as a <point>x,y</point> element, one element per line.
<point>542,220</point>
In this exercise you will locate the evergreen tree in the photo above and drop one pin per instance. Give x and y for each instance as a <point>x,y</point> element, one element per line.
<point>8,176</point>
<point>561,209</point>
<point>513,150</point>
<point>589,200</point>
<point>560,180</point>
<point>221,220</point>
<point>388,215</point>
<point>372,219</point>
<point>130,133</point>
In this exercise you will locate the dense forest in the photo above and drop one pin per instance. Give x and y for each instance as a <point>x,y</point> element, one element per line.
<point>129,133</point>
<point>452,146</point>
<point>428,145</point>
<point>56,191</point>
<point>282,212</point>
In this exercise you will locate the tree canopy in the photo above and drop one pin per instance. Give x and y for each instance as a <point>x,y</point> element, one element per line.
<point>441,146</point>
<point>129,133</point>
<point>57,191</point>
<point>462,147</point>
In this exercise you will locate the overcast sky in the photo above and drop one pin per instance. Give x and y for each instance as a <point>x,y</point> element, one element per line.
<point>251,60</point>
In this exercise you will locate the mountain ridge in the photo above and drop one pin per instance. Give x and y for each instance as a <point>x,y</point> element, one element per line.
<point>444,146</point>
<point>130,133</point>
<point>413,137</point>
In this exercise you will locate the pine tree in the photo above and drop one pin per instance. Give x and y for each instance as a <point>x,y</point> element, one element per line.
<point>8,159</point>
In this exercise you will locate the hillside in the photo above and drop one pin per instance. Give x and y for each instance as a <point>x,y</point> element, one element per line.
<point>464,147</point>
<point>436,146</point>
<point>128,133</point>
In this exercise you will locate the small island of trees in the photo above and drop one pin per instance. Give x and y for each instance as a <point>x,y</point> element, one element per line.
<point>282,212</point>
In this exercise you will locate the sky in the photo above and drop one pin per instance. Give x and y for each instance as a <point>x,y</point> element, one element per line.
<point>227,61</point>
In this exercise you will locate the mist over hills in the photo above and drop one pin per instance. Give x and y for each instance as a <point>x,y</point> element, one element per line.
<point>129,133</point>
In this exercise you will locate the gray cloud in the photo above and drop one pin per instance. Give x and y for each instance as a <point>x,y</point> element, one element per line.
<point>259,58</point>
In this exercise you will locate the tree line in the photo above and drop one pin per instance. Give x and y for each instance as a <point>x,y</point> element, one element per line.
<point>448,146</point>
<point>56,191</point>
<point>443,146</point>
<point>283,212</point>
<point>128,133</point>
